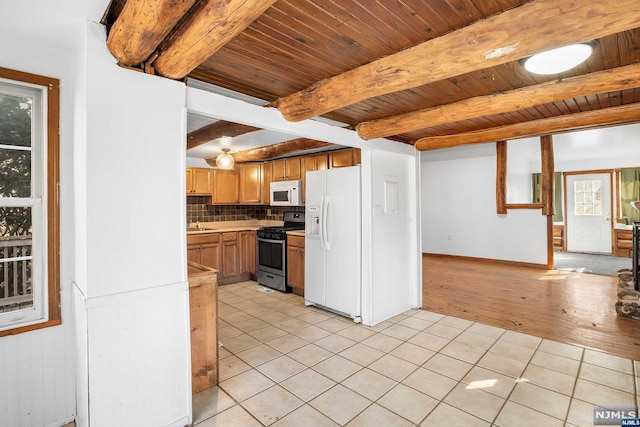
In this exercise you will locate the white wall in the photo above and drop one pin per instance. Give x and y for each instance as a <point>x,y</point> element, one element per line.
<point>458,191</point>
<point>124,338</point>
<point>37,367</point>
<point>458,187</point>
<point>134,289</point>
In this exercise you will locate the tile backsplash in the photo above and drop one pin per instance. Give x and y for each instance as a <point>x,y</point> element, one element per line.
<point>198,210</point>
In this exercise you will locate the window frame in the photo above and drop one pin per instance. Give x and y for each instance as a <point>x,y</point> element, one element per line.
<point>52,159</point>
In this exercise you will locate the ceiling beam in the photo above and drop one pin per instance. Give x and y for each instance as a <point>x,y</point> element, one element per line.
<point>141,26</point>
<point>211,25</point>
<point>221,107</point>
<point>217,130</point>
<point>502,38</point>
<point>606,116</point>
<point>621,78</point>
<point>276,150</point>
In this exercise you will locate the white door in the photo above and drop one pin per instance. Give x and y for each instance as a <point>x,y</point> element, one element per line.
<point>589,213</point>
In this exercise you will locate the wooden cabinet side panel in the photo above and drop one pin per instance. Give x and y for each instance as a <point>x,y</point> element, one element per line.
<point>295,263</point>
<point>204,336</point>
<point>266,178</point>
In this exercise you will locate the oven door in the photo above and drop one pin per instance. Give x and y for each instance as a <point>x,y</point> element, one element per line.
<point>271,256</point>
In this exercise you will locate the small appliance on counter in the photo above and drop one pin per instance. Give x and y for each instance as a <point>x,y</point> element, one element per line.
<point>271,253</point>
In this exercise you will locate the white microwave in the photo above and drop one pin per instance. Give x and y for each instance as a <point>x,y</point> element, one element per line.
<point>286,193</point>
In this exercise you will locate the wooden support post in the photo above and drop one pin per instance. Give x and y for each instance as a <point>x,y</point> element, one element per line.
<point>501,177</point>
<point>546,153</point>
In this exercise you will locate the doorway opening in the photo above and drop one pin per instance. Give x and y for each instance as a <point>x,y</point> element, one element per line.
<point>588,212</point>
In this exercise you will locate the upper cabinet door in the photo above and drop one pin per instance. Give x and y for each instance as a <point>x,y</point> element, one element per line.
<point>199,181</point>
<point>286,169</point>
<point>226,186</point>
<point>250,183</point>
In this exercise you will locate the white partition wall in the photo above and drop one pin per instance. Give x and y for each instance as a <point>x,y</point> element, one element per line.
<point>135,284</point>
<point>458,188</point>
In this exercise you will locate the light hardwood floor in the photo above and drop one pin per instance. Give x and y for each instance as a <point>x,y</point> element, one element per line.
<point>574,308</point>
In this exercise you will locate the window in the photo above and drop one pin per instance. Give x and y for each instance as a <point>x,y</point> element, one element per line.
<point>587,195</point>
<point>29,211</point>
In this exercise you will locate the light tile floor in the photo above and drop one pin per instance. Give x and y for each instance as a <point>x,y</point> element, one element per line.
<point>285,364</point>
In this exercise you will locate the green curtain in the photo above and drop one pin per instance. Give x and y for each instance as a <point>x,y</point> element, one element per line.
<point>558,203</point>
<point>630,192</point>
<point>536,187</point>
<point>536,197</point>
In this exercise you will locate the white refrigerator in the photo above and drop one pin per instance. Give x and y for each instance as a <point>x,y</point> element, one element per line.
<point>332,278</point>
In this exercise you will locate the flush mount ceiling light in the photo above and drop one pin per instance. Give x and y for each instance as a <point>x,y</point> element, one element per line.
<point>558,60</point>
<point>224,159</point>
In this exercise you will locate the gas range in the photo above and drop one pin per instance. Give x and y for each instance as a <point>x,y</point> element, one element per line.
<point>276,233</point>
<point>292,221</point>
<point>272,252</point>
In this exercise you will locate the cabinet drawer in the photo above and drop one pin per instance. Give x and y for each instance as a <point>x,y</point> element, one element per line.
<point>297,241</point>
<point>203,238</point>
<point>230,236</point>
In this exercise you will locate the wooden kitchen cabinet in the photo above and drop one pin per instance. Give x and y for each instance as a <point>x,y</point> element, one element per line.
<point>247,246</point>
<point>199,181</point>
<point>203,315</point>
<point>295,264</point>
<point>344,158</point>
<point>205,249</point>
<point>622,242</point>
<point>267,173</point>
<point>250,183</point>
<point>230,255</point>
<point>226,187</point>
<point>286,169</point>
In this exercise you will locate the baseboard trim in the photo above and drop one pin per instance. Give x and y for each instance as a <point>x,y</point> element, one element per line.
<point>487,260</point>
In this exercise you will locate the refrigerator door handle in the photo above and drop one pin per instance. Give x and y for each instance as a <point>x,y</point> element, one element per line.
<point>321,228</point>
<point>325,222</point>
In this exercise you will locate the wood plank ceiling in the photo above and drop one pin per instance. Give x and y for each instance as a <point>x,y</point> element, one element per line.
<point>373,64</point>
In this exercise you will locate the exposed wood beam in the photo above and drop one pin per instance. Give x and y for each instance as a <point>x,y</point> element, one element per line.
<point>211,25</point>
<point>606,116</point>
<point>217,130</point>
<point>502,38</point>
<point>547,178</point>
<point>275,150</point>
<point>588,84</point>
<point>501,177</point>
<point>141,26</point>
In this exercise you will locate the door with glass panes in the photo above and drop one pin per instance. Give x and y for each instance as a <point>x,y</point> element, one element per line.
<point>589,212</point>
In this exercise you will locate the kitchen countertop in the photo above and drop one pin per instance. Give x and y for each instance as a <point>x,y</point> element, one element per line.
<point>199,274</point>
<point>222,226</point>
<point>296,233</point>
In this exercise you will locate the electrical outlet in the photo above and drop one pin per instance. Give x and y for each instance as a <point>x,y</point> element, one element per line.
<point>448,236</point>
<point>268,212</point>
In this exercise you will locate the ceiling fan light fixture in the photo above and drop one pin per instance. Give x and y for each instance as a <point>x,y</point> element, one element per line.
<point>225,160</point>
<point>558,60</point>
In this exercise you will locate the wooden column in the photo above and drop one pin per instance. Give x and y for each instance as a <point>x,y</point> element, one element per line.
<point>546,152</point>
<point>501,177</point>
